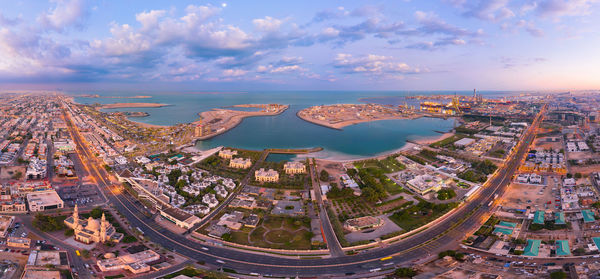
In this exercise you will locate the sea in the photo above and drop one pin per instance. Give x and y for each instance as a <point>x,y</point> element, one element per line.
<point>287,130</point>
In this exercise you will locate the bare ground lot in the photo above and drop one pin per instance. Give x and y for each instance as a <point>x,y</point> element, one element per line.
<point>519,196</point>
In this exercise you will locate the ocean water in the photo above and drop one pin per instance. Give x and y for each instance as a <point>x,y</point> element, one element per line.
<point>287,130</point>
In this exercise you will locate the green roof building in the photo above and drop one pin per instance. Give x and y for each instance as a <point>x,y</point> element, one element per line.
<point>596,241</point>
<point>538,217</point>
<point>562,248</point>
<point>588,216</point>
<point>559,218</point>
<point>533,248</point>
<point>507,224</point>
<point>504,231</point>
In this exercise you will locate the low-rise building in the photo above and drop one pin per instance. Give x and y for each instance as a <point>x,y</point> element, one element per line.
<point>362,223</point>
<point>44,200</point>
<point>179,217</point>
<point>227,153</point>
<point>135,263</point>
<point>425,183</point>
<point>263,175</point>
<point>294,167</point>
<point>5,223</point>
<point>18,242</point>
<point>240,163</point>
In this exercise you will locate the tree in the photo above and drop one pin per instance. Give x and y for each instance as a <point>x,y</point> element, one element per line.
<point>96,212</point>
<point>324,175</point>
<point>445,194</point>
<point>352,172</point>
<point>226,237</point>
<point>404,272</point>
<point>578,175</point>
<point>69,232</point>
<point>558,275</point>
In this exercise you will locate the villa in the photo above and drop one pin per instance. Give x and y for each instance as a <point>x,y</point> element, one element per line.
<point>227,153</point>
<point>263,175</point>
<point>294,167</point>
<point>240,163</point>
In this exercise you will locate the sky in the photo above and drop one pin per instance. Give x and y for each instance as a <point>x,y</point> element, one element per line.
<point>300,45</point>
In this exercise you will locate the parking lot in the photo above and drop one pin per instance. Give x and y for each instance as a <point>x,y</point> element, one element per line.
<point>82,195</point>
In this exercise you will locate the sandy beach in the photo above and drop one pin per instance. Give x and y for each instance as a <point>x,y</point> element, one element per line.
<point>133,105</point>
<point>430,140</point>
<point>146,125</point>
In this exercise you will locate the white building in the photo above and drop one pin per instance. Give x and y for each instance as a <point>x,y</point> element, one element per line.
<point>44,200</point>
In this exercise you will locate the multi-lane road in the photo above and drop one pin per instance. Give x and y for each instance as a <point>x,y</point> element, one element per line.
<point>444,233</point>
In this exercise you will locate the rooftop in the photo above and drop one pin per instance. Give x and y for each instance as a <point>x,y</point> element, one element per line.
<point>533,247</point>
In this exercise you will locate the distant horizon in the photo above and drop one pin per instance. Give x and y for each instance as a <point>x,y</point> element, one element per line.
<point>142,91</point>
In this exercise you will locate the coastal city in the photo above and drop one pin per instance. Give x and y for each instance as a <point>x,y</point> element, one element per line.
<point>441,139</point>
<point>511,190</point>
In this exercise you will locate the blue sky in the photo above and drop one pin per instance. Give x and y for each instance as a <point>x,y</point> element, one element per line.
<point>300,45</point>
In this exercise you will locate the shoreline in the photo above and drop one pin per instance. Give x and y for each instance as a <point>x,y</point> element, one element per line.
<point>234,120</point>
<point>132,105</point>
<point>432,139</point>
<point>304,114</point>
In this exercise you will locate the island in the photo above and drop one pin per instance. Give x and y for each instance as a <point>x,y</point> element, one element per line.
<point>341,115</point>
<point>134,113</point>
<point>217,121</point>
<point>132,105</point>
<point>114,97</point>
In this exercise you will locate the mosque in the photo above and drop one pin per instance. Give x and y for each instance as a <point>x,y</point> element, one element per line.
<point>92,230</point>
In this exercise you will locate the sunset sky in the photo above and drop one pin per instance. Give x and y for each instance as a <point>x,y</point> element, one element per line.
<point>300,45</point>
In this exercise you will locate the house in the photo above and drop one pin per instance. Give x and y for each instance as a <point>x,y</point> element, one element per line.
<point>294,167</point>
<point>240,163</point>
<point>227,153</point>
<point>263,175</point>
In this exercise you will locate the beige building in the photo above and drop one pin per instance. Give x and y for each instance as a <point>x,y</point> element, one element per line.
<point>294,167</point>
<point>240,163</point>
<point>92,230</point>
<point>263,175</point>
<point>227,153</point>
<point>179,217</point>
<point>5,223</point>
<point>19,242</point>
<point>44,273</point>
<point>44,200</point>
<point>135,263</point>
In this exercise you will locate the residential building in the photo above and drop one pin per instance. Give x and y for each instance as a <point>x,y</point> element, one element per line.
<point>294,167</point>
<point>240,163</point>
<point>263,175</point>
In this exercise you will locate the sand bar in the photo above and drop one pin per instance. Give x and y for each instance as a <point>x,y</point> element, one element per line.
<point>218,121</point>
<point>342,115</point>
<point>133,105</point>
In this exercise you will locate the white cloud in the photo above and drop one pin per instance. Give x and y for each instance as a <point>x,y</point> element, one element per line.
<point>64,14</point>
<point>234,72</point>
<point>267,24</point>
<point>372,64</point>
<point>149,19</point>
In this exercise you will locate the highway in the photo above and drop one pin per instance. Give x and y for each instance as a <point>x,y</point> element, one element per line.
<point>447,232</point>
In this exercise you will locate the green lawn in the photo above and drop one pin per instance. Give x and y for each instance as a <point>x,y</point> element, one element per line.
<point>447,141</point>
<point>420,214</point>
<point>388,165</point>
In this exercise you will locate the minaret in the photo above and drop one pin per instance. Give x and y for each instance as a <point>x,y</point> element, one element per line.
<point>76,214</point>
<point>103,228</point>
<point>76,217</point>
